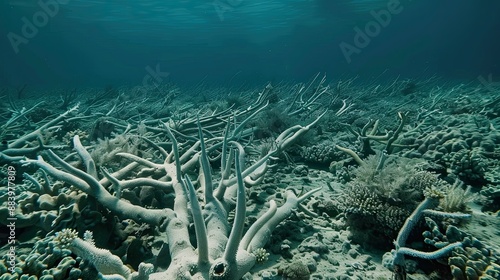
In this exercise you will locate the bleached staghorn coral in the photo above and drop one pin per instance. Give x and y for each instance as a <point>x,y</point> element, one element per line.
<point>156,172</point>
<point>431,200</point>
<point>14,150</point>
<point>209,259</point>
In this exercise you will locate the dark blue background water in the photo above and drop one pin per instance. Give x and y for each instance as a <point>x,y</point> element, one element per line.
<point>98,43</point>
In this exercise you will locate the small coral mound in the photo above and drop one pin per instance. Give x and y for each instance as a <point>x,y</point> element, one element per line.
<point>295,271</point>
<point>377,202</point>
<point>261,255</point>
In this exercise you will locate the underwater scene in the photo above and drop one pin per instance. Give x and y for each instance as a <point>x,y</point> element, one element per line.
<point>238,139</point>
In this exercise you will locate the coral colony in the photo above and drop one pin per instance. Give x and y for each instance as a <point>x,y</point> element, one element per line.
<point>307,181</point>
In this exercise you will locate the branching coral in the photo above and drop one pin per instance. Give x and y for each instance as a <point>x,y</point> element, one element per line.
<point>425,207</point>
<point>223,250</point>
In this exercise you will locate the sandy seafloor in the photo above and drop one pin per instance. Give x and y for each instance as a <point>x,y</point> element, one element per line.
<point>450,139</point>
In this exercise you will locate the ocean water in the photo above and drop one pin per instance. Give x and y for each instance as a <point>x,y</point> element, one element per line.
<point>78,43</point>
<point>372,126</point>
